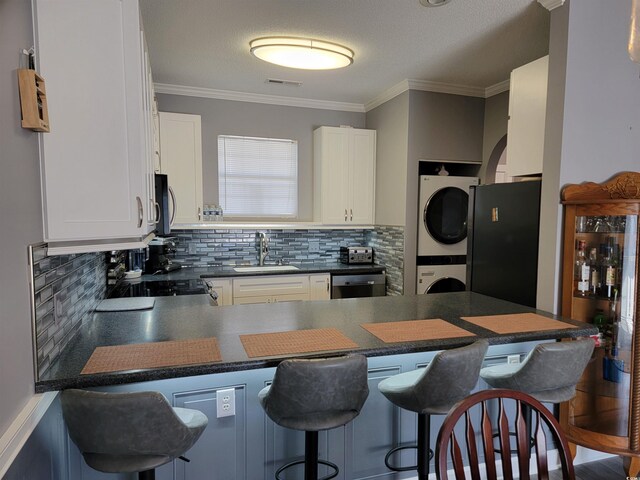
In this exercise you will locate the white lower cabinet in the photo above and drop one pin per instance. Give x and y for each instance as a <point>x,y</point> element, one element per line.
<point>320,286</point>
<point>281,288</point>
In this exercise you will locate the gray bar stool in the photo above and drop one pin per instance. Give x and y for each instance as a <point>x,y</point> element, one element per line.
<point>129,432</point>
<point>549,372</point>
<point>313,395</point>
<point>448,378</point>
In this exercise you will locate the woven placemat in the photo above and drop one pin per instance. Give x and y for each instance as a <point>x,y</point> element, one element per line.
<point>415,330</point>
<point>295,341</point>
<point>139,356</point>
<point>518,323</point>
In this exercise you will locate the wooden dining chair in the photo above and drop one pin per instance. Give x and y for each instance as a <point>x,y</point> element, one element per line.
<point>449,446</point>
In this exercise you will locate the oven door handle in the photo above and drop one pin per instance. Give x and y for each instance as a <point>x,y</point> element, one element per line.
<point>356,284</point>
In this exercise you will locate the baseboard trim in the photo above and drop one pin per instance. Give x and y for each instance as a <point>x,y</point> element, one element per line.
<point>22,427</point>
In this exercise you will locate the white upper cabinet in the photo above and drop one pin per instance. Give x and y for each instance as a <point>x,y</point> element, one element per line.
<point>181,160</point>
<point>344,175</point>
<point>95,163</point>
<point>527,116</point>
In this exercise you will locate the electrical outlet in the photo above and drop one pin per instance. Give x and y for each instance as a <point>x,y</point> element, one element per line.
<point>226,402</point>
<point>512,359</point>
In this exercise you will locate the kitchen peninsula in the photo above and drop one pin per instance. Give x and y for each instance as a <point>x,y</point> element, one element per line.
<point>193,316</point>
<point>247,444</point>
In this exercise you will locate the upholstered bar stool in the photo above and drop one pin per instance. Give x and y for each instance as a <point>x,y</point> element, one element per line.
<point>549,372</point>
<point>129,432</point>
<point>448,378</point>
<point>313,395</point>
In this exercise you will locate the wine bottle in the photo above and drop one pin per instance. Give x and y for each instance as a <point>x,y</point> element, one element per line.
<point>583,269</point>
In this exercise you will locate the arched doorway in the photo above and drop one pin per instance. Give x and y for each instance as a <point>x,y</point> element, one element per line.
<point>497,165</point>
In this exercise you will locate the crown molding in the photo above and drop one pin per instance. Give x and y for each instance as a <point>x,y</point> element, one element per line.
<point>451,88</point>
<point>437,87</point>
<point>497,88</point>
<point>394,91</point>
<point>387,95</point>
<point>551,4</point>
<point>257,98</point>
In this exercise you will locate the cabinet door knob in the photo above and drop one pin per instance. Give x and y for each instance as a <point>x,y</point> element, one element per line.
<point>140,212</point>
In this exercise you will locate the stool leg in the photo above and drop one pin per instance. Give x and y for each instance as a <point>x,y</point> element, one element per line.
<point>147,475</point>
<point>310,455</point>
<point>424,431</point>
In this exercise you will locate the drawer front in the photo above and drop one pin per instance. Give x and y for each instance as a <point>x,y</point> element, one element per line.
<point>298,297</point>
<point>271,286</point>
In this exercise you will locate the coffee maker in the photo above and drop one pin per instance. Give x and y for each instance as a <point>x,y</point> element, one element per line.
<point>158,261</point>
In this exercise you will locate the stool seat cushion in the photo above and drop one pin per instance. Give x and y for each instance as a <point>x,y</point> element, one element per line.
<point>129,432</point>
<point>549,373</point>
<point>316,394</point>
<point>449,378</point>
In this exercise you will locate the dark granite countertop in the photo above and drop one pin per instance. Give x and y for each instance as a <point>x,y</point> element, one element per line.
<point>187,273</point>
<point>192,316</point>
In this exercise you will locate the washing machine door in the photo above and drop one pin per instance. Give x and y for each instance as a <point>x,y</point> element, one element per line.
<point>445,215</point>
<point>446,284</point>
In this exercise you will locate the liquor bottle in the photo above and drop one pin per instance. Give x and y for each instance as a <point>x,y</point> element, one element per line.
<point>609,271</point>
<point>583,269</point>
<point>594,277</point>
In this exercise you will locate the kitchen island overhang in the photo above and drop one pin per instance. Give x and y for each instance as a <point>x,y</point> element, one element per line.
<point>193,317</point>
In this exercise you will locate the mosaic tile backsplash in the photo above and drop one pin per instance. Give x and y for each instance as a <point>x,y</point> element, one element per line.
<point>388,245</point>
<point>230,247</point>
<point>73,283</point>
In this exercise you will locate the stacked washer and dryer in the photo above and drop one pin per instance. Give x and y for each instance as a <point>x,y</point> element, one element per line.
<point>442,233</point>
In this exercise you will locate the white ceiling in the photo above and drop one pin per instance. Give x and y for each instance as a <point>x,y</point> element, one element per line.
<point>474,43</point>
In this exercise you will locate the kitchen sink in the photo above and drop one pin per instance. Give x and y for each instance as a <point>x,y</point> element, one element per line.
<point>266,268</point>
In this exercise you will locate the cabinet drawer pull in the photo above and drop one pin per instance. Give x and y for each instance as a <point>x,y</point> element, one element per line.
<point>140,212</point>
<point>199,214</point>
<point>345,214</point>
<point>157,205</point>
<point>351,214</point>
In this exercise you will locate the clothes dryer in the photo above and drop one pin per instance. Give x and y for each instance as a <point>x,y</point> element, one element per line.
<point>441,279</point>
<point>442,223</point>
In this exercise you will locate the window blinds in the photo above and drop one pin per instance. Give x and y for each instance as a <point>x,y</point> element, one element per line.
<point>258,177</point>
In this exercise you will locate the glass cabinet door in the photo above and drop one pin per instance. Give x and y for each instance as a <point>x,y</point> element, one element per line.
<point>604,293</point>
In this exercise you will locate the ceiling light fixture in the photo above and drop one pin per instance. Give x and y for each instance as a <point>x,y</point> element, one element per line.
<point>305,53</point>
<point>434,3</point>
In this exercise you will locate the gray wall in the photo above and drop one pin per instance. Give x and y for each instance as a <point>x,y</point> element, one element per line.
<point>593,115</point>
<point>225,117</point>
<point>496,119</point>
<point>391,122</point>
<point>441,127</point>
<point>20,217</point>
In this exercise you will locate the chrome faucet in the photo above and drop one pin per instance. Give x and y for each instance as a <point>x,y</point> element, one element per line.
<point>263,248</point>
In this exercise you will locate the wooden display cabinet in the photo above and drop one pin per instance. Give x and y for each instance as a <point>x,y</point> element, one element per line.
<point>602,221</point>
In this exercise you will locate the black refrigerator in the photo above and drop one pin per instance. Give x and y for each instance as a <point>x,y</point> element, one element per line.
<point>502,248</point>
